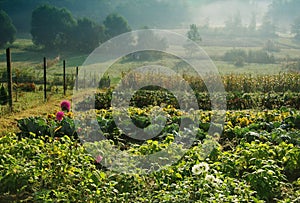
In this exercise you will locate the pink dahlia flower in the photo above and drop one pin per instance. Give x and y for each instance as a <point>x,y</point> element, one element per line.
<point>60,115</point>
<point>65,105</point>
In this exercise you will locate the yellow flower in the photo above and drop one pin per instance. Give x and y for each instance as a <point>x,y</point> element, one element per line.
<point>229,123</point>
<point>244,121</point>
<point>69,114</point>
<point>51,116</point>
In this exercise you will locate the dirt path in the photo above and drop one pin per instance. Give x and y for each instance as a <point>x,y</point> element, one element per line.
<point>8,123</point>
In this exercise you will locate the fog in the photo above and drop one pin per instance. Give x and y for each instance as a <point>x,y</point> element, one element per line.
<point>218,12</point>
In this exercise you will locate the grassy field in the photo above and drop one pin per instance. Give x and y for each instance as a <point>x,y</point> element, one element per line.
<point>26,56</point>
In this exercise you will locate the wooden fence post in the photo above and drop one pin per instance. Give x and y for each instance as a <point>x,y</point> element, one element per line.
<point>45,79</point>
<point>76,82</point>
<point>9,79</point>
<point>64,76</point>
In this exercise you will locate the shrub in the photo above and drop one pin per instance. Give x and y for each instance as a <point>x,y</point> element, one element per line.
<point>27,87</point>
<point>270,46</point>
<point>240,61</point>
<point>238,56</point>
<point>233,54</point>
<point>104,82</point>
<point>3,96</point>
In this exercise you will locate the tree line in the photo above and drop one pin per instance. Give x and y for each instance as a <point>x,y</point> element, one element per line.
<point>163,14</point>
<point>56,28</point>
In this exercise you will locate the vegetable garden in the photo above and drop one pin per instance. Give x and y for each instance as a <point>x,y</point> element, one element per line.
<point>256,158</point>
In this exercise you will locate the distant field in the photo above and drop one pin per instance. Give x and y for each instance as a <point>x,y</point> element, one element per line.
<point>27,57</point>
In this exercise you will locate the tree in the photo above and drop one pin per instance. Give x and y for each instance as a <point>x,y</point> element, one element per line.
<point>51,26</point>
<point>271,46</point>
<point>115,25</point>
<point>252,24</point>
<point>267,29</point>
<point>237,22</point>
<point>87,35</point>
<point>283,12</point>
<point>148,39</point>
<point>7,29</point>
<point>233,25</point>
<point>295,29</point>
<point>194,33</point>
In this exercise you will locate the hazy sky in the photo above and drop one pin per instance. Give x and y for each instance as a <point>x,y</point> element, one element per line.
<point>219,11</point>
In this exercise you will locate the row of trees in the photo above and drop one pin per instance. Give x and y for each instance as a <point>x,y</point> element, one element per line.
<point>234,26</point>
<point>163,14</point>
<point>56,28</point>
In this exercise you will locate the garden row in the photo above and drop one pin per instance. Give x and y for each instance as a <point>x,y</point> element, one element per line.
<point>247,83</point>
<point>232,100</point>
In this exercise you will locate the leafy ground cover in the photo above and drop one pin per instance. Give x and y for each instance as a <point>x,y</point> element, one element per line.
<point>256,159</point>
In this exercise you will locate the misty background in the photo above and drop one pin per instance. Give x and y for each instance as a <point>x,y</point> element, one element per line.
<point>164,14</point>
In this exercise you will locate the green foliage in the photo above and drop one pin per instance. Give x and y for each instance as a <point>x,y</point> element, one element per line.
<point>26,87</point>
<point>238,56</point>
<point>3,95</point>
<point>239,61</point>
<point>36,170</point>
<point>233,54</point>
<point>115,25</point>
<point>235,100</point>
<point>8,30</point>
<point>261,170</point>
<point>51,26</point>
<point>271,46</point>
<point>86,35</point>
<point>54,27</point>
<point>194,33</point>
<point>149,41</point>
<point>40,127</point>
<point>104,82</point>
<point>154,13</point>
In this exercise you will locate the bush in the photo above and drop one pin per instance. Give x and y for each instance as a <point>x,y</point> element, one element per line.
<point>3,96</point>
<point>237,56</point>
<point>233,54</point>
<point>104,82</point>
<point>240,61</point>
<point>260,56</point>
<point>270,46</point>
<point>27,87</point>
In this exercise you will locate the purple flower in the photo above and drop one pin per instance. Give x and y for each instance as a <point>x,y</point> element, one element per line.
<point>98,159</point>
<point>65,105</point>
<point>60,115</point>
